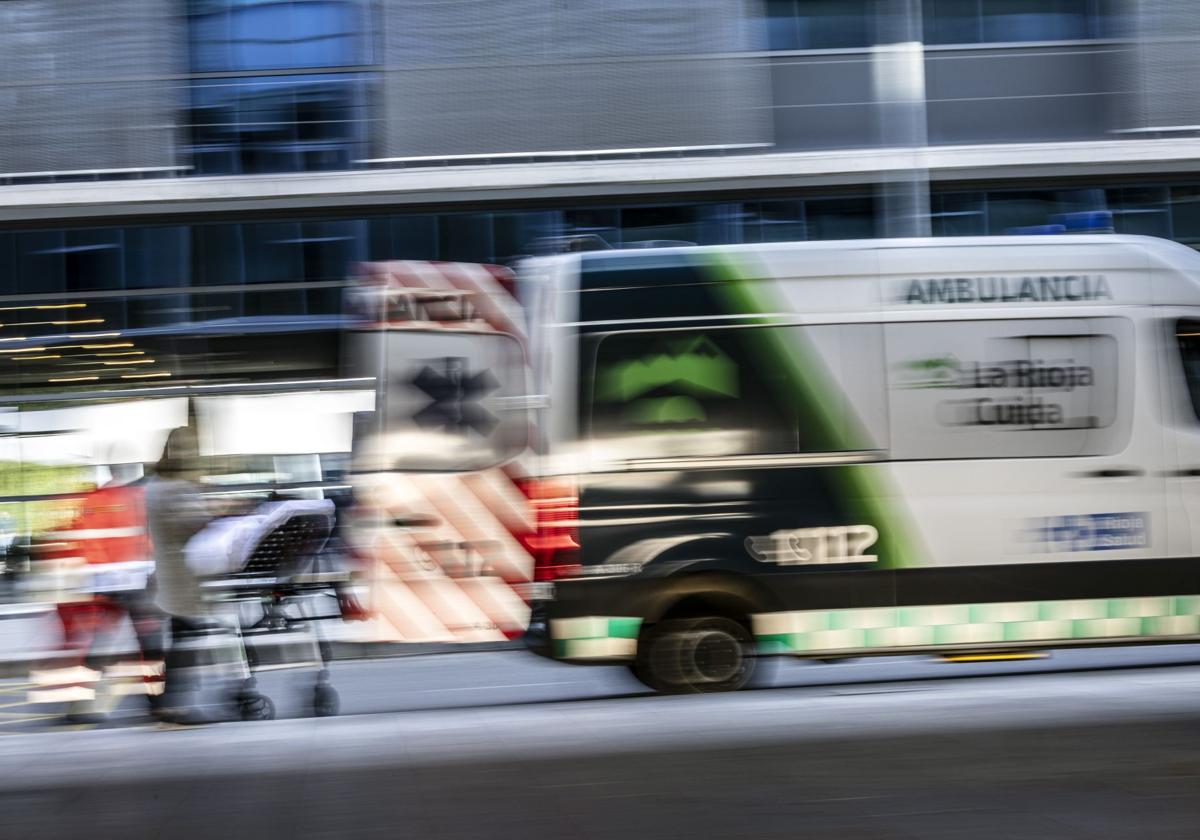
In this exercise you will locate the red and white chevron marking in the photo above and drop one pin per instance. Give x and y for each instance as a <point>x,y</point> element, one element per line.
<point>457,576</point>
<point>460,572</point>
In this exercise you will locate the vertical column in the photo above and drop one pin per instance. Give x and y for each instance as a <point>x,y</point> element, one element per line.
<point>898,76</point>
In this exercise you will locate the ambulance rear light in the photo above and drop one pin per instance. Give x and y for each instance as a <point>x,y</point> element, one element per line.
<point>554,542</point>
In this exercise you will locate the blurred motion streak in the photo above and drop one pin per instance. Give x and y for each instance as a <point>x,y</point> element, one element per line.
<point>449,564</point>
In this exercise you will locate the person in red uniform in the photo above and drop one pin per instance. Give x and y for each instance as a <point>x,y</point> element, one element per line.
<point>109,538</point>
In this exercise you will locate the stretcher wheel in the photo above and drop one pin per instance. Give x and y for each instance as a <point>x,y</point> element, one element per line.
<point>325,700</point>
<point>255,706</point>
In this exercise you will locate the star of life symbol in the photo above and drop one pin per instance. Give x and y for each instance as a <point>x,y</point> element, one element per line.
<point>455,395</point>
<point>815,546</point>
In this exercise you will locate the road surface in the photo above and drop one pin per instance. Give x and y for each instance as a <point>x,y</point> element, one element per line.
<point>500,745</point>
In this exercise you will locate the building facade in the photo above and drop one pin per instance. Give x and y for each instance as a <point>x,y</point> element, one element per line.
<point>194,159</point>
<point>180,179</point>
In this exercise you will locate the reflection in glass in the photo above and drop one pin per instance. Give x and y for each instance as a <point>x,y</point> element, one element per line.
<point>278,123</point>
<point>276,35</point>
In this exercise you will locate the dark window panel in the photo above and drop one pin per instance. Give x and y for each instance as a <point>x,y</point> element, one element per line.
<point>274,252</point>
<point>274,303</point>
<point>782,25</point>
<point>157,256</point>
<point>404,238</point>
<point>8,263</point>
<point>952,21</point>
<point>1142,211</point>
<point>718,224</point>
<point>515,233</point>
<point>328,249</point>
<point>166,310</point>
<point>819,24</point>
<point>1008,210</point>
<point>1185,215</point>
<point>41,263</point>
<point>958,214</point>
<point>672,222</point>
<point>774,221</point>
<point>278,124</point>
<point>218,255</point>
<point>992,21</point>
<point>604,222</point>
<point>1036,20</point>
<point>840,218</point>
<point>835,24</point>
<point>466,237</point>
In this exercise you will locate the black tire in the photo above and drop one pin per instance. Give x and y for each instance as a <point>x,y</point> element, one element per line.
<point>255,706</point>
<point>326,702</point>
<point>696,656</point>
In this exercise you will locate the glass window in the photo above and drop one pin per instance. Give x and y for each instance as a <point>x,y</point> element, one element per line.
<point>739,391</point>
<point>680,223</point>
<point>840,218</point>
<point>604,222</point>
<point>1187,333</point>
<point>69,260</point>
<point>819,24</point>
<point>835,24</point>
<point>951,21</point>
<point>156,256</point>
<point>1008,210</point>
<point>997,21</point>
<point>1036,20</point>
<point>516,234</point>
<point>958,214</point>
<point>466,237</point>
<point>1008,389</point>
<point>774,221</point>
<point>1143,211</point>
<point>1185,215</point>
<point>781,24</point>
<point>278,124</point>
<point>410,237</point>
<point>218,259</point>
<point>276,34</point>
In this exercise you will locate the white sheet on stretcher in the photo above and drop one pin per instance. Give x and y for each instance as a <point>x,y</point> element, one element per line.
<point>224,545</point>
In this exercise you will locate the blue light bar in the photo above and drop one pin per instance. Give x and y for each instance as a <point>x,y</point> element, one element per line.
<point>1036,230</point>
<point>1088,221</point>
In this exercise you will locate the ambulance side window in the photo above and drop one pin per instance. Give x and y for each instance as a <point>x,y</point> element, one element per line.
<point>737,391</point>
<point>1009,388</point>
<point>1187,333</point>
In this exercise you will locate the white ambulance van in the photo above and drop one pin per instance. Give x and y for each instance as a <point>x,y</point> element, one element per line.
<point>836,449</point>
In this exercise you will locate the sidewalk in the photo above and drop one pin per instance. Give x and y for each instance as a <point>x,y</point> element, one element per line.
<point>30,635</point>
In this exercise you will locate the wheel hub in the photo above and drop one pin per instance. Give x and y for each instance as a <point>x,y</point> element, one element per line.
<point>714,656</point>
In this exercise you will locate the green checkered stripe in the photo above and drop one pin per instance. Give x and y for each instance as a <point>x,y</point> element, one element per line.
<point>595,637</point>
<point>977,624</point>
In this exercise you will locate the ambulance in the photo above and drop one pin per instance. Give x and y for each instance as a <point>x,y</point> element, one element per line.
<point>965,446</point>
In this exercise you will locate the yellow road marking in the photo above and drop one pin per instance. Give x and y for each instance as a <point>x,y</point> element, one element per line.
<point>993,657</point>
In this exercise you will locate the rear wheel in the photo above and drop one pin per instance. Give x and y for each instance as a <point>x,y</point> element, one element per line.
<point>695,655</point>
<point>255,706</point>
